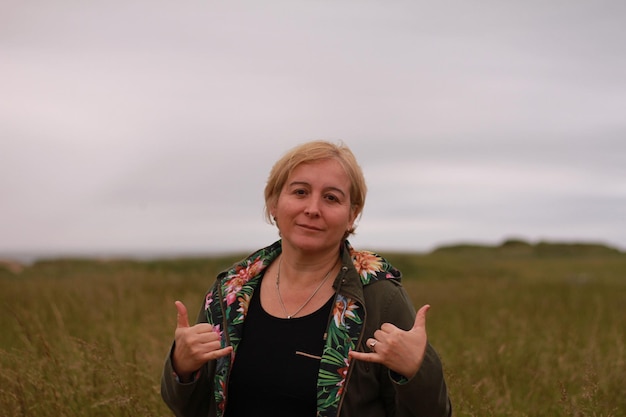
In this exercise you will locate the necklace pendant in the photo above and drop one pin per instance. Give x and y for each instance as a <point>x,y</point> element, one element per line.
<point>288,317</point>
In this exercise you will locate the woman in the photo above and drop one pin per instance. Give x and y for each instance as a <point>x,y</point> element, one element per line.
<point>307,326</point>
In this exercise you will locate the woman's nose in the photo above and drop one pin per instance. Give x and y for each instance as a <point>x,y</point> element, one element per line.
<point>312,208</point>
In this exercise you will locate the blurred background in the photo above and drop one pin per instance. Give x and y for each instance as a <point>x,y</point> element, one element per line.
<point>148,128</point>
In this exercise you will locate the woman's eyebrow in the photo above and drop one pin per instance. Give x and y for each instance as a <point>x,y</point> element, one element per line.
<point>292,183</point>
<point>330,188</point>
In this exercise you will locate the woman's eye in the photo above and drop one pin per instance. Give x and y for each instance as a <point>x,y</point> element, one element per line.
<point>331,197</point>
<point>299,192</point>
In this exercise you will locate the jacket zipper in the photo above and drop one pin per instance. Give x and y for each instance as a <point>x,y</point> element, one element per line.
<point>344,269</point>
<point>226,343</point>
<point>350,368</point>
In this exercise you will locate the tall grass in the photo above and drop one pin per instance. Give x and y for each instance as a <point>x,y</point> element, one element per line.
<point>520,333</point>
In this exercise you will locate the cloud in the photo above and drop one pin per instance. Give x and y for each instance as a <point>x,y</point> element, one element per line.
<point>153,125</point>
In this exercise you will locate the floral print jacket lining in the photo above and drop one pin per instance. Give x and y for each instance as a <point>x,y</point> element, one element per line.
<point>226,306</point>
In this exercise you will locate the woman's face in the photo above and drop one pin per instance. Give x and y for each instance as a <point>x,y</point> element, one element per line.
<point>313,211</point>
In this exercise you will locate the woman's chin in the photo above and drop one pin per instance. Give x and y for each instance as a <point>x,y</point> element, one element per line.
<point>312,244</point>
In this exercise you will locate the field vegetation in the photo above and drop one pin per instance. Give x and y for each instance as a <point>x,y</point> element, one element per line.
<point>523,329</point>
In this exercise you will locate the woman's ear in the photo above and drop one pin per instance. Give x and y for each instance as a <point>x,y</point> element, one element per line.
<point>354,213</point>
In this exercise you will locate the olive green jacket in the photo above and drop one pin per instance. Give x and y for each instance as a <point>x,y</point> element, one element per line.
<point>368,294</point>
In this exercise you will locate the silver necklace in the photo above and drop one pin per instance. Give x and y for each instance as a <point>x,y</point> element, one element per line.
<point>280,299</point>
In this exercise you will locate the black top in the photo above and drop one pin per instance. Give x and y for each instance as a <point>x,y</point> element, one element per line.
<point>276,364</point>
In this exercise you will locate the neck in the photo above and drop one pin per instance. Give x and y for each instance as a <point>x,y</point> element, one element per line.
<point>306,269</point>
<point>296,291</point>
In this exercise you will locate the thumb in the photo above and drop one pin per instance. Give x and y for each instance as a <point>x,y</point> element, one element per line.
<point>183,318</point>
<point>420,318</point>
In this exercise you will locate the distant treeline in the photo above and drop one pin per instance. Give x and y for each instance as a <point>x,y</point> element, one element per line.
<point>508,248</point>
<point>517,247</point>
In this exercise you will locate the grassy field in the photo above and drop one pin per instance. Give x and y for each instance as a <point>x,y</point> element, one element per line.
<point>523,330</point>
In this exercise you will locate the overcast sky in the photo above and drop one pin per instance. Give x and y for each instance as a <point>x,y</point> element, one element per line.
<point>150,126</point>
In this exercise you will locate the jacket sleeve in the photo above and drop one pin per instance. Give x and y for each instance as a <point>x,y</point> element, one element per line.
<point>426,394</point>
<point>188,399</point>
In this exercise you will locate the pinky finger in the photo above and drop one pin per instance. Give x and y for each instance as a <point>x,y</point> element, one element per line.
<point>216,354</point>
<point>362,356</point>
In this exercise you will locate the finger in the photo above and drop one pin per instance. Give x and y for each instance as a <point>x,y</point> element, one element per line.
<point>387,328</point>
<point>365,357</point>
<point>222,352</point>
<point>215,354</point>
<point>205,329</point>
<point>371,344</point>
<point>202,335</point>
<point>420,318</point>
<point>183,318</point>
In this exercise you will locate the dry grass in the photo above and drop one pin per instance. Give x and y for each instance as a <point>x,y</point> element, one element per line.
<point>519,335</point>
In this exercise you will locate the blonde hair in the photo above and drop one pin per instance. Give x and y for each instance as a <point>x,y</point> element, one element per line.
<point>310,152</point>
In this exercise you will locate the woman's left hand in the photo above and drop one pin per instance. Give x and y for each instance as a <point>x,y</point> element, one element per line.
<point>400,350</point>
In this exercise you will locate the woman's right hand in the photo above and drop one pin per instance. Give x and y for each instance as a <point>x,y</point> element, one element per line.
<point>194,345</point>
